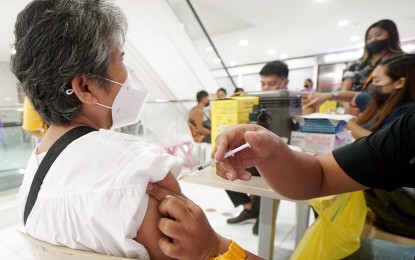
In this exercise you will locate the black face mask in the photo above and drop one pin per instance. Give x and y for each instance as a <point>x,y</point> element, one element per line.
<point>207,104</point>
<point>305,86</point>
<point>377,46</point>
<point>376,92</point>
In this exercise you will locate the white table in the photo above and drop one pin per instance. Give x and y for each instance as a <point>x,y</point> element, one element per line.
<point>269,206</point>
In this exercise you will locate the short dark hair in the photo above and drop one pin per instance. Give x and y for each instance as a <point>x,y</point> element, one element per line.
<point>238,90</point>
<point>223,90</point>
<point>200,95</point>
<point>56,40</point>
<point>277,67</point>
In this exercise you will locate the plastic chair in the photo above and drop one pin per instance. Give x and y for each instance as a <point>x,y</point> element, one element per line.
<point>41,250</point>
<point>185,147</point>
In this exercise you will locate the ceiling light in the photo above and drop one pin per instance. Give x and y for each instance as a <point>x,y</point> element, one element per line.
<point>210,48</point>
<point>409,48</point>
<point>354,38</point>
<point>13,51</point>
<point>360,45</point>
<point>243,42</point>
<point>182,25</point>
<point>343,56</point>
<point>284,56</point>
<point>217,60</point>
<point>272,51</point>
<point>342,23</point>
<point>232,63</point>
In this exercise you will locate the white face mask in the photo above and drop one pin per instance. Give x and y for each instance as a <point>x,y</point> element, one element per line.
<point>128,102</point>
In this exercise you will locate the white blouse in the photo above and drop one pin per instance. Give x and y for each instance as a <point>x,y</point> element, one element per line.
<point>93,197</point>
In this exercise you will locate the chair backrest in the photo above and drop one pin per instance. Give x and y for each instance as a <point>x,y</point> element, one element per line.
<point>41,250</point>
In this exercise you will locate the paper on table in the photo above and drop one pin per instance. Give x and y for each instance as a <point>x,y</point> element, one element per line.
<point>343,117</point>
<point>331,117</point>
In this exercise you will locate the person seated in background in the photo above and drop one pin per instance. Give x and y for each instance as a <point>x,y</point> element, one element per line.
<point>308,86</point>
<point>199,123</point>
<point>221,93</point>
<point>274,75</point>
<point>93,197</point>
<point>238,92</point>
<point>32,123</point>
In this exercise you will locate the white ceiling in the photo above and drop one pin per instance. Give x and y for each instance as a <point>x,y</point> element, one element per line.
<point>294,27</point>
<point>8,13</point>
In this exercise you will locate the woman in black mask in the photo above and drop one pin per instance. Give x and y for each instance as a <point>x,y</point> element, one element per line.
<point>381,42</point>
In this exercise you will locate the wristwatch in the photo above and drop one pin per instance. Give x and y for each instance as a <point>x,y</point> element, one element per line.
<point>335,96</point>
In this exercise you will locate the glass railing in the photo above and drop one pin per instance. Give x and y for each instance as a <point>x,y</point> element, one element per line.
<point>164,121</point>
<point>15,147</point>
<point>161,121</point>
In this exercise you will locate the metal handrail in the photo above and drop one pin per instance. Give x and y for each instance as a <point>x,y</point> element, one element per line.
<point>12,108</point>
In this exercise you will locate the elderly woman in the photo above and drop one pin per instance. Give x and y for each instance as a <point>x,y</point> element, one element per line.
<point>69,60</point>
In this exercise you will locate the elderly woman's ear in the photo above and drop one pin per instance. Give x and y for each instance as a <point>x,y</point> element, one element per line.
<point>84,89</point>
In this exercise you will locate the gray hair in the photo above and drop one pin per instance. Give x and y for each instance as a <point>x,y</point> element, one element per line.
<point>59,39</point>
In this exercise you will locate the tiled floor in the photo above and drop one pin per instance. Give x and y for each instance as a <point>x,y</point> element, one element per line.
<point>214,201</point>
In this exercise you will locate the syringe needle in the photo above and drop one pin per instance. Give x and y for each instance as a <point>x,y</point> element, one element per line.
<point>213,162</point>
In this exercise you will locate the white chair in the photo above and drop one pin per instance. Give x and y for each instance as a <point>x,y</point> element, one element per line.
<point>41,250</point>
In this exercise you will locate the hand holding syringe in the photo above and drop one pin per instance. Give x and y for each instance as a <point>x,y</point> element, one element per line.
<point>213,162</point>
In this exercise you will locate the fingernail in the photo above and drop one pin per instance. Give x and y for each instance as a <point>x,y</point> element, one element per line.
<point>245,177</point>
<point>149,187</point>
<point>229,176</point>
<point>216,152</point>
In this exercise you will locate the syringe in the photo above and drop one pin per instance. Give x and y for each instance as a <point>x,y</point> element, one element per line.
<point>214,161</point>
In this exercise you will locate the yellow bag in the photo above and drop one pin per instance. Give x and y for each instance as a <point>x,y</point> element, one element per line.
<point>328,106</point>
<point>336,233</point>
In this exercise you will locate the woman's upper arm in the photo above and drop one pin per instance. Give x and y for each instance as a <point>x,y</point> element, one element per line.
<point>170,183</point>
<point>347,84</point>
<point>149,233</point>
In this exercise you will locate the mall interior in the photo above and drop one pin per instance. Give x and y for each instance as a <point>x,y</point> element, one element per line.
<point>180,47</point>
